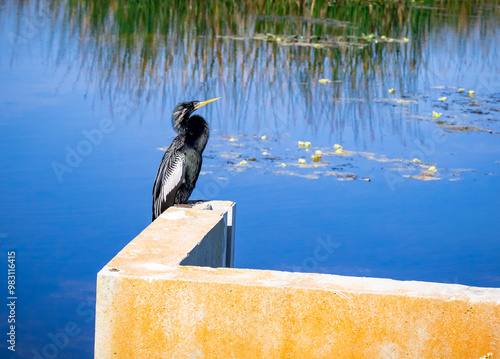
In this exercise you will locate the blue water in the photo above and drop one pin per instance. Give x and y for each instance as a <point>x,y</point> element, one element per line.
<point>65,222</point>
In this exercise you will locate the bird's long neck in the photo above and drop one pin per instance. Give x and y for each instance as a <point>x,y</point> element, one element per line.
<point>197,133</point>
<point>180,120</point>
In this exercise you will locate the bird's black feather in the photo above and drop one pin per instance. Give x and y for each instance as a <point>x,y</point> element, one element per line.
<point>164,176</point>
<point>181,163</point>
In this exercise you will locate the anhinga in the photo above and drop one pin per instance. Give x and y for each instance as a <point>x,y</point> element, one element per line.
<point>181,163</point>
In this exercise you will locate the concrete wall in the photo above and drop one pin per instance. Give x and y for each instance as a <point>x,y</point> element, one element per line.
<point>151,306</point>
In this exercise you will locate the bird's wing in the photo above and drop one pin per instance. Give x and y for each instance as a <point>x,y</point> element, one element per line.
<point>168,179</point>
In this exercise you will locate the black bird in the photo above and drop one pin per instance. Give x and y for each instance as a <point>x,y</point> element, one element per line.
<point>181,163</point>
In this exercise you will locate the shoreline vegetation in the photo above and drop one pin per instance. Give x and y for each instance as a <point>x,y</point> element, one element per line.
<point>132,46</point>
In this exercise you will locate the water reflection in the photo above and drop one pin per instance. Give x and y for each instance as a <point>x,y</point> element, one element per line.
<point>266,60</point>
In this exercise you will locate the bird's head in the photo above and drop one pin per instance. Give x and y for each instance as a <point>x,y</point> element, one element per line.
<point>182,112</point>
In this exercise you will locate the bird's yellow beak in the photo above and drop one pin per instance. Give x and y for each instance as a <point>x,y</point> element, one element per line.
<point>203,103</point>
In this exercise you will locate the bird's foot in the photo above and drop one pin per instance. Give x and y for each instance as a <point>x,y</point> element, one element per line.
<point>184,205</point>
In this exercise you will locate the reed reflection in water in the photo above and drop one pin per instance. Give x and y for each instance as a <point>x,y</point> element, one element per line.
<point>265,59</point>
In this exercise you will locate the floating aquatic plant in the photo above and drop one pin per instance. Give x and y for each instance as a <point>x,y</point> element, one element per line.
<point>316,158</point>
<point>319,165</point>
<point>436,115</point>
